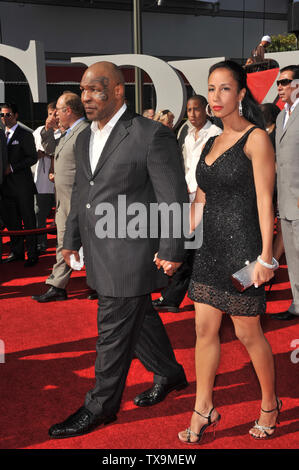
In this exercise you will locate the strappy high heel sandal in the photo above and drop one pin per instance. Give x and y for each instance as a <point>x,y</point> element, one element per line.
<point>203,428</point>
<point>266,429</point>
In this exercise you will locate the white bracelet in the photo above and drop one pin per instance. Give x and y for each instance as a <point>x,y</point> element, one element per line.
<point>269,266</point>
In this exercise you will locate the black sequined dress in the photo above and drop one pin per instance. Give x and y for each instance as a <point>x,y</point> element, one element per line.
<point>231,232</point>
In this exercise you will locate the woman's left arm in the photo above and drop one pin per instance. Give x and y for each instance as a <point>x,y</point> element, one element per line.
<point>260,150</point>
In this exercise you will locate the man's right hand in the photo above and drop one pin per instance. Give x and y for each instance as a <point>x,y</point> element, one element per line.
<point>67,254</point>
<point>51,122</point>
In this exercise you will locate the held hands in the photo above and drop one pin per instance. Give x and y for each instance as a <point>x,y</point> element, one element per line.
<point>169,267</point>
<point>67,254</point>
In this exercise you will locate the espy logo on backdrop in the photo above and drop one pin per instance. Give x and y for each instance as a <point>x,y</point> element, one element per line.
<point>168,83</point>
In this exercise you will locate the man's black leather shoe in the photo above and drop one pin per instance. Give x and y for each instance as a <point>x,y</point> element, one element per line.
<point>93,295</point>
<point>54,293</point>
<point>13,257</point>
<point>31,261</point>
<point>81,422</point>
<point>161,306</point>
<point>158,392</point>
<point>41,249</point>
<point>284,316</point>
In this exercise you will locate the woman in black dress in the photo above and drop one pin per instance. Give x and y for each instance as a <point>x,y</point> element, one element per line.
<point>235,177</point>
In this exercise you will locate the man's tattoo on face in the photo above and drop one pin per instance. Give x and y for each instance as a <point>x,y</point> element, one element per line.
<point>103,94</point>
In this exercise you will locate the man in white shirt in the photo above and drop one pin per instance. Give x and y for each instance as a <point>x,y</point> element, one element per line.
<point>287,155</point>
<point>198,134</point>
<point>199,131</point>
<point>44,199</point>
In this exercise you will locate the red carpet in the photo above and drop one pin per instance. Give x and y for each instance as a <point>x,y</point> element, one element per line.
<point>49,366</point>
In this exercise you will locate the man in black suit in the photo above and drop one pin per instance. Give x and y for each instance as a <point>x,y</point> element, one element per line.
<point>123,156</point>
<point>3,156</point>
<point>18,186</point>
<point>3,165</point>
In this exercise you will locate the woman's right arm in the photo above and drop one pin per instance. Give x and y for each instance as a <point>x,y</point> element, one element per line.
<point>196,209</point>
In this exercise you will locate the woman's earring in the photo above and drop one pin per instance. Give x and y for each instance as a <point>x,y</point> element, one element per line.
<point>209,111</point>
<point>240,108</point>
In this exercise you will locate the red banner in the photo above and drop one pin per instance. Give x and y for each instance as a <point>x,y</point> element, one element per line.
<point>260,83</point>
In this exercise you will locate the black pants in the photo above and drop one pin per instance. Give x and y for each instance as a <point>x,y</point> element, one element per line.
<point>128,327</point>
<point>20,209</point>
<point>44,202</point>
<point>2,224</point>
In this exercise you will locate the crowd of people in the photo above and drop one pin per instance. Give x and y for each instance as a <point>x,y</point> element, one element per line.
<point>231,157</point>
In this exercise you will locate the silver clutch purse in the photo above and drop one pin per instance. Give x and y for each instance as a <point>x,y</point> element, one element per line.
<point>242,279</point>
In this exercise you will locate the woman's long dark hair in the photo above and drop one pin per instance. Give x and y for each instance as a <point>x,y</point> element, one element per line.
<point>270,112</point>
<point>251,110</point>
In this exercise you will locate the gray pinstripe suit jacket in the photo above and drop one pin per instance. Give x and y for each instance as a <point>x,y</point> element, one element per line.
<point>141,161</point>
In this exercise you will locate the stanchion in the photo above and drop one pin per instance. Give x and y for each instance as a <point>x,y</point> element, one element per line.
<point>23,233</point>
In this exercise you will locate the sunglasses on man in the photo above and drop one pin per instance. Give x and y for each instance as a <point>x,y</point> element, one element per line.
<point>5,114</point>
<point>284,81</point>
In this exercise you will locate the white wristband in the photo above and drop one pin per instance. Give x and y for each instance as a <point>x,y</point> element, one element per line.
<point>266,265</point>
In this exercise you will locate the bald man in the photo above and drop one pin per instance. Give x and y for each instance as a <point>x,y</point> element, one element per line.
<point>127,156</point>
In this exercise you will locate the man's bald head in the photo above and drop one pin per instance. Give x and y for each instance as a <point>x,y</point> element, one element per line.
<point>69,109</point>
<point>74,102</point>
<point>103,92</point>
<point>112,71</point>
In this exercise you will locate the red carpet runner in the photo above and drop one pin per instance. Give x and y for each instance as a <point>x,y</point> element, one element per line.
<point>49,365</point>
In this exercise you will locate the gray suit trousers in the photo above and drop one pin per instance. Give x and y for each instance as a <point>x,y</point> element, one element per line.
<point>61,272</point>
<point>290,235</point>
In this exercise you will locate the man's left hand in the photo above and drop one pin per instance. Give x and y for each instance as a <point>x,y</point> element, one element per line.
<point>67,254</point>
